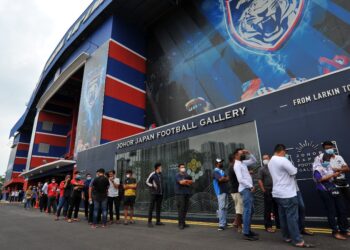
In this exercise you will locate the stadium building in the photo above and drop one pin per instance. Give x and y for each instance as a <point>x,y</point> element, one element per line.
<point>134,82</point>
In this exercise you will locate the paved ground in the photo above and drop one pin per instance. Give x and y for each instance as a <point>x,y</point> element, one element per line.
<point>32,230</point>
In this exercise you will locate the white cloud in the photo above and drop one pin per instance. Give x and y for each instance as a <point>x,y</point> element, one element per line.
<point>30,31</point>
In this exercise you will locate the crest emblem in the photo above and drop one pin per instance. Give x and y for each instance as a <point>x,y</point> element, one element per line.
<point>262,24</point>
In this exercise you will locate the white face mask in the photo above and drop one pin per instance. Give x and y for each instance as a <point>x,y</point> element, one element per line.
<point>265,162</point>
<point>183,170</point>
<point>127,176</point>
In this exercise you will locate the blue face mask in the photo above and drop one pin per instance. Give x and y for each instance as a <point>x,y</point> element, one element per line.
<point>325,164</point>
<point>287,156</point>
<point>78,177</point>
<point>329,151</point>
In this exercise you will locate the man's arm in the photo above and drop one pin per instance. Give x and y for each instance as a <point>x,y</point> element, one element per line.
<point>238,171</point>
<point>251,161</point>
<point>149,181</point>
<point>260,180</point>
<point>289,167</point>
<point>344,168</point>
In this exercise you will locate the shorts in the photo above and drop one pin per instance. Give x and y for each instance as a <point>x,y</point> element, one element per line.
<point>129,201</point>
<point>237,199</point>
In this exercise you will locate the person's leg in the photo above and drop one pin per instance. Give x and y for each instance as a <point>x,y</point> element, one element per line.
<point>126,207</point>
<point>151,207</point>
<point>110,208</point>
<point>180,202</point>
<point>41,204</point>
<point>70,209</point>
<point>117,208</point>
<point>49,204</point>
<point>91,212</point>
<point>283,219</point>
<point>59,207</point>
<point>301,211</point>
<point>97,206</point>
<point>276,214</point>
<point>46,199</point>
<point>66,206</point>
<point>158,207</point>
<point>131,214</point>
<point>186,206</point>
<point>291,207</point>
<point>76,206</point>
<point>54,205</point>
<point>341,213</point>
<point>329,205</point>
<point>267,209</point>
<point>247,211</point>
<point>221,206</point>
<point>86,207</point>
<point>104,212</point>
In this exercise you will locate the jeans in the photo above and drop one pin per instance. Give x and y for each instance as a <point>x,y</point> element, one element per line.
<point>248,209</point>
<point>52,203</point>
<point>335,208</point>
<point>222,209</point>
<point>103,206</point>
<point>74,205</point>
<point>63,203</point>
<point>27,204</point>
<point>270,206</point>
<point>156,201</point>
<point>345,193</point>
<point>289,218</point>
<point>116,202</point>
<point>183,203</point>
<point>301,211</point>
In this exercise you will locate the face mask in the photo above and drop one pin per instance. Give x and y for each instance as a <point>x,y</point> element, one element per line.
<point>78,177</point>
<point>287,156</point>
<point>325,164</point>
<point>243,157</point>
<point>53,181</point>
<point>265,162</point>
<point>182,170</point>
<point>88,178</point>
<point>127,176</point>
<point>329,151</point>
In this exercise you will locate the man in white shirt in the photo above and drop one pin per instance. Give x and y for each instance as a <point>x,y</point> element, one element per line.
<point>113,196</point>
<point>243,159</point>
<point>285,193</point>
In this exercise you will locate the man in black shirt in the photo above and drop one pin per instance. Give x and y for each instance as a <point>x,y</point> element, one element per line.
<point>236,196</point>
<point>183,192</point>
<point>98,193</point>
<point>155,183</point>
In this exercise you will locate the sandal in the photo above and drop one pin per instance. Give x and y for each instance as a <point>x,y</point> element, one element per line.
<point>270,230</point>
<point>304,245</point>
<point>339,236</point>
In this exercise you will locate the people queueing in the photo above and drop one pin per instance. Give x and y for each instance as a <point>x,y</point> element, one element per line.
<point>98,195</point>
<point>243,159</point>
<point>284,191</point>
<point>332,199</point>
<point>156,185</point>
<point>88,208</point>
<point>76,197</point>
<point>43,196</point>
<point>66,189</point>
<point>52,195</point>
<point>220,183</point>
<point>130,186</point>
<point>29,195</point>
<point>113,197</point>
<point>183,183</point>
<point>236,196</point>
<point>270,205</point>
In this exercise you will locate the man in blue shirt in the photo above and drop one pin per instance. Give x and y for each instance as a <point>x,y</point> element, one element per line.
<point>182,191</point>
<point>220,181</point>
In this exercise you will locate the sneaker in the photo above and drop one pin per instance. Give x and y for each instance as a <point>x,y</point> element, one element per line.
<point>93,226</point>
<point>186,225</point>
<point>221,228</point>
<point>160,224</point>
<point>254,234</point>
<point>249,237</point>
<point>150,224</point>
<point>181,227</point>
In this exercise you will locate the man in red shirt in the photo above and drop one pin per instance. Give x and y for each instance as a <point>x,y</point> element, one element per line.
<point>76,197</point>
<point>51,193</point>
<point>66,189</point>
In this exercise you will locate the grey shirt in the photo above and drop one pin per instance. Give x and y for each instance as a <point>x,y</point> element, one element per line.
<point>265,176</point>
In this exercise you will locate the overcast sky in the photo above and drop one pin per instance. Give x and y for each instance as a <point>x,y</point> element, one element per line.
<point>29,32</point>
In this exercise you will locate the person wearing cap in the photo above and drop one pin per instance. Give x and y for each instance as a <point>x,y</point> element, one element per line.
<point>243,159</point>
<point>284,191</point>
<point>220,183</point>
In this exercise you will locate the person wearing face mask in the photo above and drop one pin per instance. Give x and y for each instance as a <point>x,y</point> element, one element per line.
<point>182,192</point>
<point>243,159</point>
<point>88,208</point>
<point>65,195</point>
<point>284,191</point>
<point>113,196</point>
<point>220,183</point>
<point>155,183</point>
<point>130,186</point>
<point>76,197</point>
<point>51,193</point>
<point>332,200</point>
<point>337,164</point>
<point>270,205</point>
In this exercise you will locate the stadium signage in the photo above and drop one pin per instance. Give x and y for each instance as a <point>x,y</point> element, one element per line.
<point>325,94</point>
<point>177,129</point>
<point>73,30</point>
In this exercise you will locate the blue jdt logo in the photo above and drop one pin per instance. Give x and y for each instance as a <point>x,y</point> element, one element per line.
<point>262,24</point>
